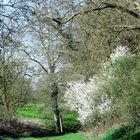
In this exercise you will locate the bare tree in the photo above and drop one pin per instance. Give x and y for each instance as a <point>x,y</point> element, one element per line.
<point>14,84</point>
<point>44,52</point>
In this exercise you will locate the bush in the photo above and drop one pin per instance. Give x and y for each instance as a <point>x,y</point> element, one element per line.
<point>135,135</point>
<point>112,95</point>
<point>126,132</point>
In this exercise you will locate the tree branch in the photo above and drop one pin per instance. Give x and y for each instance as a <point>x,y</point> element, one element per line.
<point>130,12</point>
<point>107,6</point>
<point>39,63</point>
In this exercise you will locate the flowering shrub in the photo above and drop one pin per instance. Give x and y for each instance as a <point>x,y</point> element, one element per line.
<point>103,90</point>
<point>78,97</point>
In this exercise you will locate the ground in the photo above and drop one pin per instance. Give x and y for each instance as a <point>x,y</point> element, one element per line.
<point>32,115</point>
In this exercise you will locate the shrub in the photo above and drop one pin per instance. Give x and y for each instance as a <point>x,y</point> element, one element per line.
<point>123,132</point>
<point>111,96</point>
<point>135,135</point>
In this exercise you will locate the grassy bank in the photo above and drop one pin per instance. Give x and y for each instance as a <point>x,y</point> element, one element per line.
<point>71,136</point>
<point>37,113</point>
<point>123,133</point>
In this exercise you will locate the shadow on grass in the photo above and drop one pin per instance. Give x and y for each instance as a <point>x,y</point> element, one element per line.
<point>18,129</point>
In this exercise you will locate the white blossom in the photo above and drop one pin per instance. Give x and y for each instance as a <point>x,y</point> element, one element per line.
<point>119,52</point>
<point>80,95</point>
<point>79,99</point>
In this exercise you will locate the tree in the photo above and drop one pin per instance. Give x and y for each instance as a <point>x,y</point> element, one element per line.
<point>111,96</point>
<point>99,28</point>
<point>14,84</point>
<point>15,88</point>
<point>90,30</point>
<point>86,32</point>
<point>48,59</point>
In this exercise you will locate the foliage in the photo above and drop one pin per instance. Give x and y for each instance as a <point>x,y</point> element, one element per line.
<point>123,131</point>
<point>15,89</point>
<point>100,32</point>
<point>126,132</point>
<point>111,94</point>
<point>122,88</point>
<point>133,136</point>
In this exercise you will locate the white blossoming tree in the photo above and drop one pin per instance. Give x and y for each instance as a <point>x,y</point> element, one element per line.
<point>104,93</point>
<point>78,97</point>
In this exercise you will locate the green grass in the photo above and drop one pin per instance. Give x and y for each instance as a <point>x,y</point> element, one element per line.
<point>77,136</point>
<point>30,111</point>
<point>135,135</point>
<point>71,136</point>
<point>33,111</point>
<point>36,112</point>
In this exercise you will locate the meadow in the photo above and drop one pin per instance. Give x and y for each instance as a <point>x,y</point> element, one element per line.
<point>34,114</point>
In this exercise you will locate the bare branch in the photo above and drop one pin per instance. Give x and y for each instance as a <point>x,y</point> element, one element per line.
<point>39,63</point>
<point>107,6</point>
<point>130,12</point>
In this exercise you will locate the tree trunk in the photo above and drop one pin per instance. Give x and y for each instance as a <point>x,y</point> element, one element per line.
<point>58,122</point>
<point>57,116</point>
